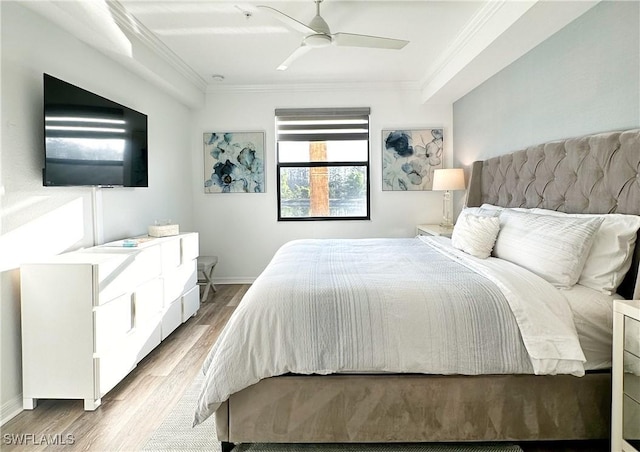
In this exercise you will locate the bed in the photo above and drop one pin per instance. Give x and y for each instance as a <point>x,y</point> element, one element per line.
<point>334,341</point>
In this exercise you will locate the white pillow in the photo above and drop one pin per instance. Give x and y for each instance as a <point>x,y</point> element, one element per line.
<point>610,256</point>
<point>497,209</point>
<point>480,211</point>
<point>475,234</point>
<point>555,248</point>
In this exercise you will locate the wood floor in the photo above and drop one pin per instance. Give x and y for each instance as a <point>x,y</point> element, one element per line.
<point>131,412</point>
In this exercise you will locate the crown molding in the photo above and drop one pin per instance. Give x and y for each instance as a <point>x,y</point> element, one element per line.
<point>468,32</point>
<point>130,24</point>
<point>314,87</point>
<point>503,33</point>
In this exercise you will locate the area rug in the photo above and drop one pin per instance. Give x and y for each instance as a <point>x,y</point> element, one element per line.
<point>177,434</point>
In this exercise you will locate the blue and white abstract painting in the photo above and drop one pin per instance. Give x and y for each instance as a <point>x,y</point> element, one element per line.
<point>233,162</point>
<point>409,158</point>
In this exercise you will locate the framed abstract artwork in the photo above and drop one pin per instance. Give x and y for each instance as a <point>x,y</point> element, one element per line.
<point>233,162</point>
<point>409,157</point>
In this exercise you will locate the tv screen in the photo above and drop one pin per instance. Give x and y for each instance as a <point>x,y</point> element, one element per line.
<point>90,140</point>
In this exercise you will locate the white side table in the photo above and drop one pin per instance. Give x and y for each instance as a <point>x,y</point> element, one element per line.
<point>625,406</point>
<point>433,229</point>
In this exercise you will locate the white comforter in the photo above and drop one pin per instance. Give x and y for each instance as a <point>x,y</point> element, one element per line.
<point>389,305</point>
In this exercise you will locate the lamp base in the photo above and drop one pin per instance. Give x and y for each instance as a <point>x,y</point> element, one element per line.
<point>446,222</point>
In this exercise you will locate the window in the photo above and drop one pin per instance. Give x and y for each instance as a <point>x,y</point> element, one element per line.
<point>323,164</point>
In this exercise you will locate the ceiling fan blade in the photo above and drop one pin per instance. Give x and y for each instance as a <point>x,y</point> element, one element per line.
<point>294,56</point>
<point>354,40</point>
<point>287,20</point>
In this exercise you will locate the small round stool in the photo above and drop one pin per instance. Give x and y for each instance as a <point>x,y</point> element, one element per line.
<point>206,264</point>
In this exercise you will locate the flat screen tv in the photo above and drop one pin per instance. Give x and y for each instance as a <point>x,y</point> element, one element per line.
<point>90,140</point>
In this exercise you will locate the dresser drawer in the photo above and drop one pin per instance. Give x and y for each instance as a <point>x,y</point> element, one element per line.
<point>112,367</point>
<point>632,335</point>
<point>124,271</point>
<point>631,376</point>
<point>112,277</point>
<point>148,300</point>
<point>171,318</point>
<point>190,248</point>
<point>631,416</point>
<point>112,322</point>
<point>170,249</point>
<point>190,303</point>
<point>177,282</point>
<point>148,337</point>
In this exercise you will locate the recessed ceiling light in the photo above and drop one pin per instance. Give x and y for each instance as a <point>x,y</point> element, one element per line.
<point>217,77</point>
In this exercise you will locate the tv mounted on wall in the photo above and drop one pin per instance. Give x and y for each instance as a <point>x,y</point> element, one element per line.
<point>90,140</point>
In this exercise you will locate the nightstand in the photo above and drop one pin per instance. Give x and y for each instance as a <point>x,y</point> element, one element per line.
<point>625,406</point>
<point>433,229</point>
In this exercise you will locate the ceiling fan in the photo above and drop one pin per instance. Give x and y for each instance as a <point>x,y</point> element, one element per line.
<point>317,34</point>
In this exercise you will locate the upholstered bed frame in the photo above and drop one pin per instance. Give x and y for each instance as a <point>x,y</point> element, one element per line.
<point>593,174</point>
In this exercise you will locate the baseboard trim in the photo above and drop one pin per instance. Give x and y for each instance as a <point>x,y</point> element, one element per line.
<point>10,409</point>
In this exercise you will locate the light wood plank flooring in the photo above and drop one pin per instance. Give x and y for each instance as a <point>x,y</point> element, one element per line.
<point>131,412</point>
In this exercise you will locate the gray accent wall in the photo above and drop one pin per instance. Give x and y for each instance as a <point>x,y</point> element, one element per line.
<point>584,79</point>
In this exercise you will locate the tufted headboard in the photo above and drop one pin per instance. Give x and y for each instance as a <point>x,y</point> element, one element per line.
<point>591,174</point>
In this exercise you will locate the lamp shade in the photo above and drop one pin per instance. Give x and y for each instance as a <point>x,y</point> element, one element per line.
<point>448,179</point>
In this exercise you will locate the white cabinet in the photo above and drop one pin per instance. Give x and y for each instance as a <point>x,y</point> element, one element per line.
<point>625,416</point>
<point>88,317</point>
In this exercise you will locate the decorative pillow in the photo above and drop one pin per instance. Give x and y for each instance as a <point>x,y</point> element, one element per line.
<point>555,248</point>
<point>610,256</point>
<point>475,234</point>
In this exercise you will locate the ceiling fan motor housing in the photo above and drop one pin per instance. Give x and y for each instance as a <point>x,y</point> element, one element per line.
<point>319,25</point>
<point>317,40</point>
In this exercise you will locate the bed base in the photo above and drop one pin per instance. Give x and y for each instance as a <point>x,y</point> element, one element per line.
<point>417,408</point>
<point>591,174</point>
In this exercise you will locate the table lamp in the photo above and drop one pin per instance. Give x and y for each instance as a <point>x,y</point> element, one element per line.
<point>448,180</point>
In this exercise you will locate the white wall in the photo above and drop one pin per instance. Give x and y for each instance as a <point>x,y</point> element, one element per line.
<point>584,79</point>
<point>242,229</point>
<point>39,221</point>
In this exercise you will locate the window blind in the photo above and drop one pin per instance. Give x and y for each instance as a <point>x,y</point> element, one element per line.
<point>322,124</point>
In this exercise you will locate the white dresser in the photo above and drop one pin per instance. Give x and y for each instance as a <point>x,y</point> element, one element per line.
<point>625,416</point>
<point>89,316</point>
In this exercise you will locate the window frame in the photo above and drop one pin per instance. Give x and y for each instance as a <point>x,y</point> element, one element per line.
<point>320,114</point>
